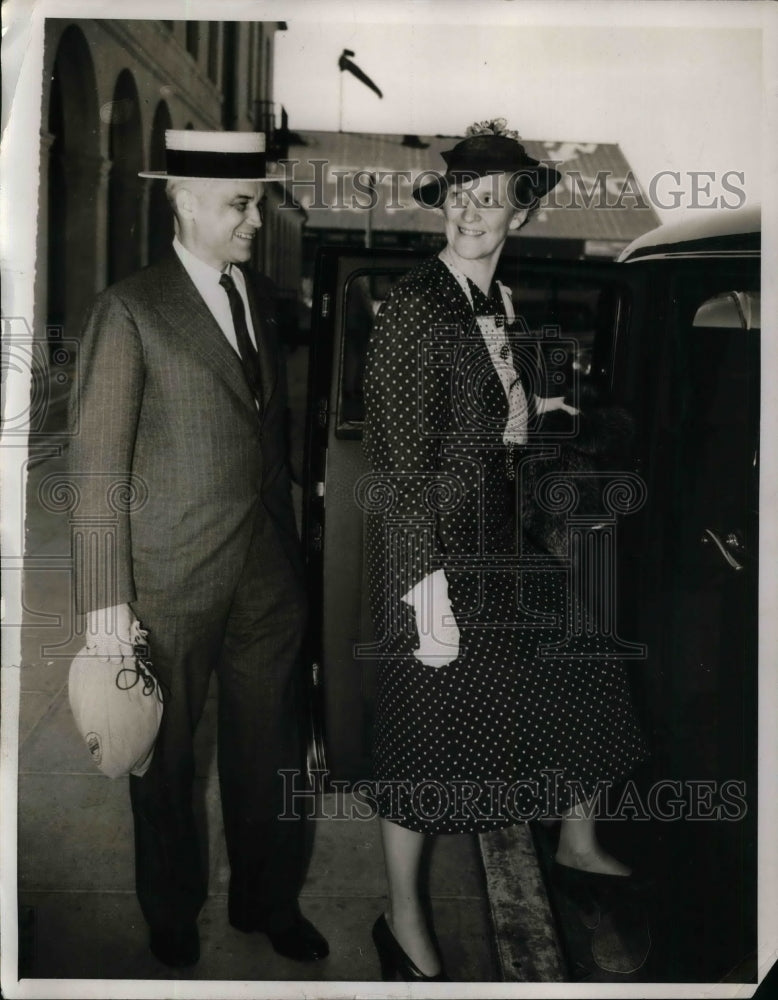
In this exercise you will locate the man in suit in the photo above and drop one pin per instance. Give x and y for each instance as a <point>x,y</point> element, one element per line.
<point>179,447</point>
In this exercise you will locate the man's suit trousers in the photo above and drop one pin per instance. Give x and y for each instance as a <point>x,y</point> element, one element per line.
<point>253,642</point>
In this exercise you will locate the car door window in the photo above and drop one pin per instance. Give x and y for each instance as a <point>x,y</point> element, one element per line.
<point>575,318</point>
<point>710,411</point>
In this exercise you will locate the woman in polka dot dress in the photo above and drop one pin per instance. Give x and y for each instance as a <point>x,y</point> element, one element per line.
<point>475,730</point>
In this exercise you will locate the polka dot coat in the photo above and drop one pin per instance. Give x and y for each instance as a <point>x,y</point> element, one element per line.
<point>502,734</point>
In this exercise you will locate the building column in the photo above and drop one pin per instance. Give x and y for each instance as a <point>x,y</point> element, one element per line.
<point>86,194</point>
<point>102,170</point>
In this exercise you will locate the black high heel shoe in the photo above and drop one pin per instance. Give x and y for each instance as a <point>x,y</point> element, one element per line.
<point>394,961</point>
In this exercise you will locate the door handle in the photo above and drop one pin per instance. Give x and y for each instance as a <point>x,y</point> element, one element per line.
<point>725,546</point>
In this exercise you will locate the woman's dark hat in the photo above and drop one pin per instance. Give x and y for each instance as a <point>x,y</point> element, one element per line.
<point>480,155</point>
<point>215,155</point>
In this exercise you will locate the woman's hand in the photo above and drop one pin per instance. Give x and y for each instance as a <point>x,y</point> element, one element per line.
<point>545,404</point>
<point>435,622</point>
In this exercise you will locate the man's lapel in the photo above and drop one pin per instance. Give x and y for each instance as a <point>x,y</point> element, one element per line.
<point>263,319</point>
<point>184,309</point>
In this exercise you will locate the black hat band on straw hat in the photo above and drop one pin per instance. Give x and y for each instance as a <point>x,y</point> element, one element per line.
<point>191,153</point>
<point>206,163</point>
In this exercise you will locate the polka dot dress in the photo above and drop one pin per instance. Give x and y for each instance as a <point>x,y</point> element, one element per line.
<point>503,734</point>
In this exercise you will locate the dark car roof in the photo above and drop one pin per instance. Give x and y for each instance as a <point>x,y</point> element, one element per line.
<point>735,232</point>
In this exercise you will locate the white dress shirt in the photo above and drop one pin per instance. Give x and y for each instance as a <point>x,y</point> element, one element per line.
<point>206,281</point>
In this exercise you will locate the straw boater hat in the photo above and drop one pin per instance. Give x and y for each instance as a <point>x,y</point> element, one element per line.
<point>489,148</point>
<point>216,155</point>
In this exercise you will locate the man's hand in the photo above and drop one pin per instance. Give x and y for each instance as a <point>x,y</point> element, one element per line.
<point>108,633</point>
<point>437,627</point>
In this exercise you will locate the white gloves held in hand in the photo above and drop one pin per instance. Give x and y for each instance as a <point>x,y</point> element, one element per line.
<point>435,622</point>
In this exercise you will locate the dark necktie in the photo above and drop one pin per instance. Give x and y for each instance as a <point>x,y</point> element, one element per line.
<point>248,355</point>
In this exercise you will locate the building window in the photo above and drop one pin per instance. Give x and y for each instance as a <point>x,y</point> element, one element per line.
<point>213,51</point>
<point>167,25</point>
<point>192,38</point>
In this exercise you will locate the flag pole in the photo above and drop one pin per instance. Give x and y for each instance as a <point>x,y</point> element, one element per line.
<point>345,63</point>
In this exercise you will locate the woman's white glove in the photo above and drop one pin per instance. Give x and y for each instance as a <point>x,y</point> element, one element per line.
<point>545,404</point>
<point>435,622</point>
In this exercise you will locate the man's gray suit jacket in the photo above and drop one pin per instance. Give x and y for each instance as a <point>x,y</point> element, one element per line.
<point>169,454</point>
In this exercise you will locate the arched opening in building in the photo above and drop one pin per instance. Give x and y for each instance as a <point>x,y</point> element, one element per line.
<point>160,219</point>
<point>73,185</point>
<point>124,185</point>
<point>193,39</point>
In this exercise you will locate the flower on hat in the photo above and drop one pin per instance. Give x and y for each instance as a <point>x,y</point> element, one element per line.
<point>494,126</point>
